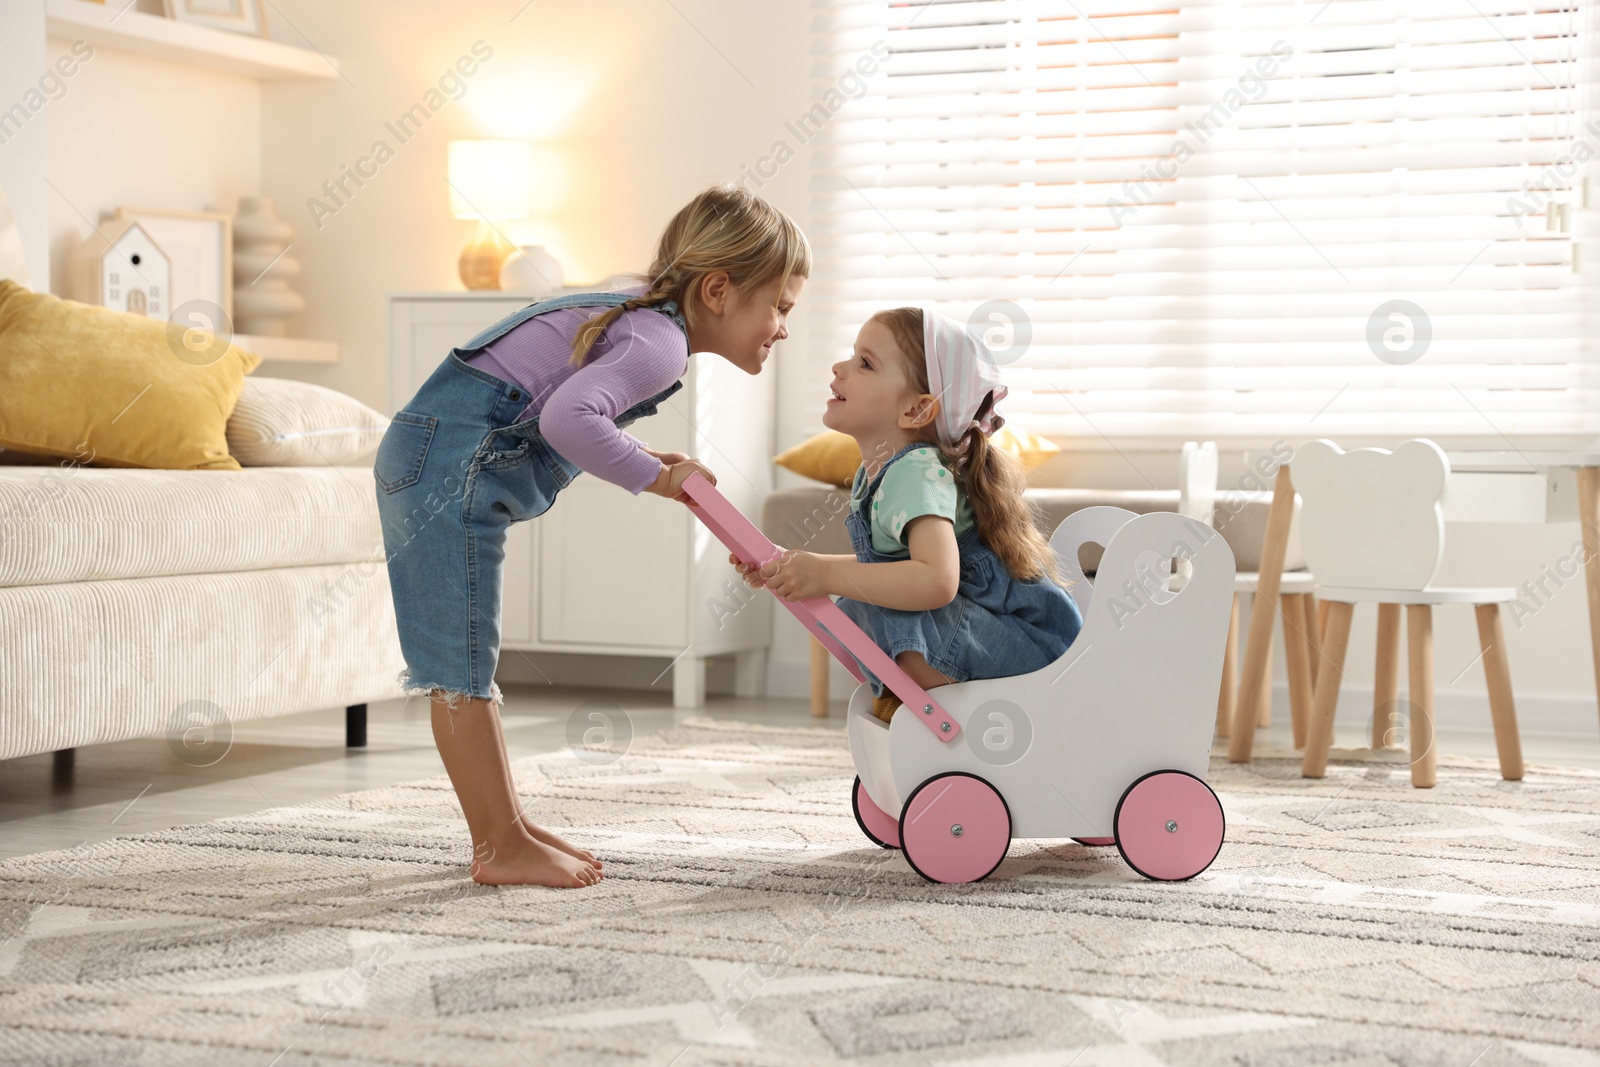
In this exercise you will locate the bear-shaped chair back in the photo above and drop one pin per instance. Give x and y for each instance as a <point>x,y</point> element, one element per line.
<point>1371,518</point>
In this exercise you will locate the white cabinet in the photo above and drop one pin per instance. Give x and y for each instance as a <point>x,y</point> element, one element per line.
<point>604,571</point>
<point>618,582</point>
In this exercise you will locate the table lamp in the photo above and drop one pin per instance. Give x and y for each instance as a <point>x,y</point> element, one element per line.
<point>490,182</point>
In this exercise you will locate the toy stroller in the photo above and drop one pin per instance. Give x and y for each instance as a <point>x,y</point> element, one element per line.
<point>1107,745</point>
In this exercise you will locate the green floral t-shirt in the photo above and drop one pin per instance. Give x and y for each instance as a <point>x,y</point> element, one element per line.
<point>916,484</point>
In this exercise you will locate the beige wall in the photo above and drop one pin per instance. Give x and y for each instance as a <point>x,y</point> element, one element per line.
<point>631,109</point>
<point>632,105</point>
<point>139,132</point>
<point>23,155</point>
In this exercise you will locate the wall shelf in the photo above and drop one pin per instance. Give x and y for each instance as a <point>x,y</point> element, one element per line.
<point>181,42</point>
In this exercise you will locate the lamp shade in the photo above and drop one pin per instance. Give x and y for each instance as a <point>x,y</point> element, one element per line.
<point>490,179</point>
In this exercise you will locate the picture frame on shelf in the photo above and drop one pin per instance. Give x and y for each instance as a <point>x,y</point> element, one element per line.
<point>238,16</point>
<point>199,245</point>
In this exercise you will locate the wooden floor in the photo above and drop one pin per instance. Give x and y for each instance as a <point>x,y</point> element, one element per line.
<point>135,786</point>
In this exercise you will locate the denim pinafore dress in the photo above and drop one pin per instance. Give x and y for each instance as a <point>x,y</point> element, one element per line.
<point>457,466</point>
<point>997,626</point>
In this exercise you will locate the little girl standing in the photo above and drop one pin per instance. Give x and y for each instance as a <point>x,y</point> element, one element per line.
<point>950,575</point>
<point>506,422</point>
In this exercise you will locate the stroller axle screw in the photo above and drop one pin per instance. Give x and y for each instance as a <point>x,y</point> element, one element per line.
<point>945,727</point>
<point>1172,826</point>
<point>927,709</point>
<point>955,831</point>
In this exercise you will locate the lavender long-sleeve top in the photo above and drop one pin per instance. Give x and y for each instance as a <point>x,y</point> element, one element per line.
<point>640,354</point>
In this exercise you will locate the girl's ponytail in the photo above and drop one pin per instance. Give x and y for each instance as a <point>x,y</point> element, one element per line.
<point>993,481</point>
<point>726,228</point>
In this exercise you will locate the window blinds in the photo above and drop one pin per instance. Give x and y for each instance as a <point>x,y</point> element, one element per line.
<point>1238,221</point>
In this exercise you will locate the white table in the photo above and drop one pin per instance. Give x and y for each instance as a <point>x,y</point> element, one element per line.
<point>1534,486</point>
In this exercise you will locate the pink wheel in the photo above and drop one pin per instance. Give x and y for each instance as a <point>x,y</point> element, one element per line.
<point>881,828</point>
<point>1095,842</point>
<point>1169,826</point>
<point>955,828</point>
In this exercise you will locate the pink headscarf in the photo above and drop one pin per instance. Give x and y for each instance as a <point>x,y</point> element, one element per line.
<point>961,372</point>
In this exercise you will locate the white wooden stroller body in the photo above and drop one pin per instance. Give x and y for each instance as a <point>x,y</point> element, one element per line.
<point>1110,743</point>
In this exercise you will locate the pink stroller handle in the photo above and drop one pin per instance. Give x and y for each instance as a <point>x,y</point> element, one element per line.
<point>821,617</point>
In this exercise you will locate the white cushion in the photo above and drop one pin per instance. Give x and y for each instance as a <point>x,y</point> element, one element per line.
<point>282,423</point>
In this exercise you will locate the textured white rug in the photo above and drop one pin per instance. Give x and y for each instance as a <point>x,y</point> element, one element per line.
<point>745,920</point>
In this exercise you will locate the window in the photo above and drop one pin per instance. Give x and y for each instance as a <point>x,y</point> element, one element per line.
<point>1235,221</point>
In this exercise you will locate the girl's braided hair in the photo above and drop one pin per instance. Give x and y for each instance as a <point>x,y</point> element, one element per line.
<point>726,228</point>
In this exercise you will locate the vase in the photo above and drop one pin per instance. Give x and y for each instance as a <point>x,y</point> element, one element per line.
<point>263,303</point>
<point>531,270</point>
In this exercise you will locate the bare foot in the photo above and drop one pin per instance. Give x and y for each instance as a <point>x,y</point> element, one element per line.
<point>525,861</point>
<point>544,836</point>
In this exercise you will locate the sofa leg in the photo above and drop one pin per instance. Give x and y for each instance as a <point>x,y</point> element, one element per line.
<point>355,726</point>
<point>61,768</point>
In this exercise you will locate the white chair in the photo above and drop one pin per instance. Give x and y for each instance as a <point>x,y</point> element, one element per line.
<point>1197,499</point>
<point>1372,529</point>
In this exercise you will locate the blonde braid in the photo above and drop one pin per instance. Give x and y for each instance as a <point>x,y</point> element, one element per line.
<point>590,332</point>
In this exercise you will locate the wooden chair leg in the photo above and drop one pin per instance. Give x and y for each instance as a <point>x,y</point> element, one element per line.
<point>1297,653</point>
<point>1258,646</point>
<point>1501,707</point>
<point>1230,673</point>
<point>819,680</point>
<point>1419,653</point>
<point>1386,679</point>
<point>1589,521</point>
<point>1264,694</point>
<point>1313,636</point>
<point>1319,738</point>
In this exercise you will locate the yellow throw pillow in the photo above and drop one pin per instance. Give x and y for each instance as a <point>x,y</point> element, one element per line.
<point>111,388</point>
<point>1030,448</point>
<point>832,457</point>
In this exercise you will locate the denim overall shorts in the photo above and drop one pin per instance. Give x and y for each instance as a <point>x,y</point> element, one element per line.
<point>453,472</point>
<point>996,627</point>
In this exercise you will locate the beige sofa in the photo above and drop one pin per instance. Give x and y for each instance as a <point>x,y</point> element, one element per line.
<point>140,602</point>
<point>150,602</point>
